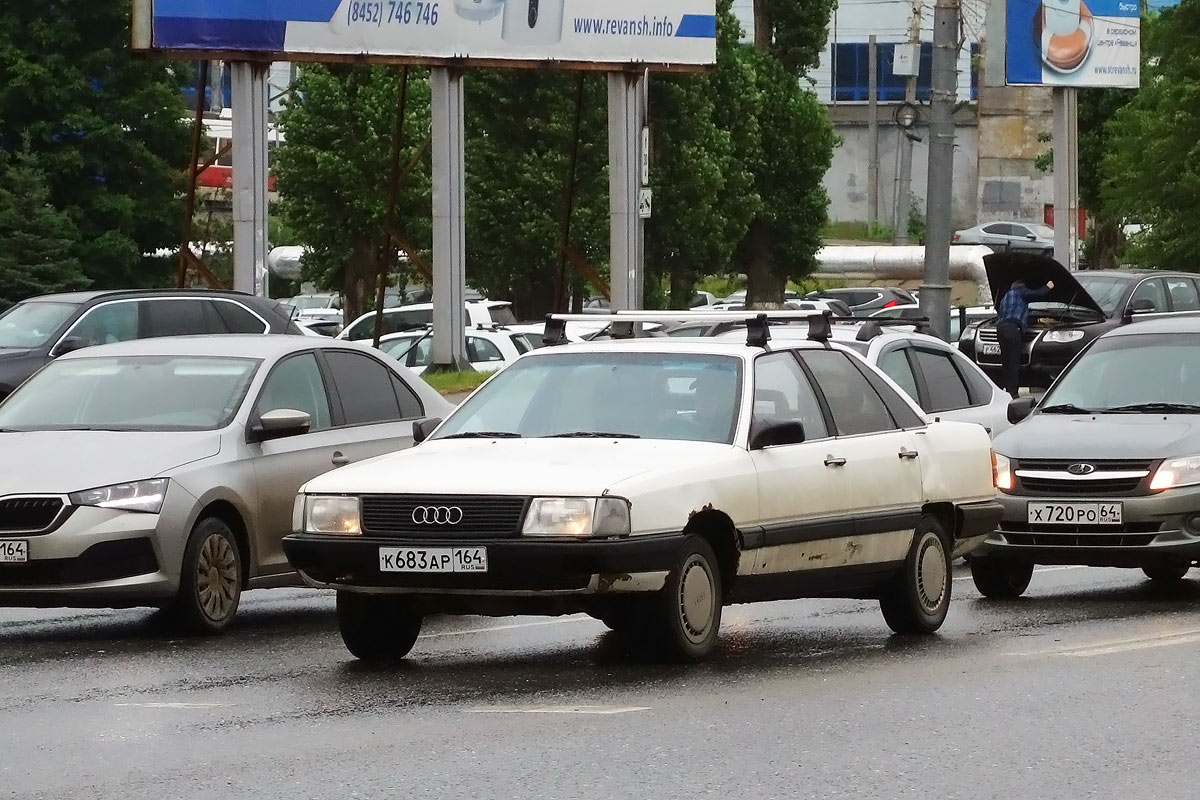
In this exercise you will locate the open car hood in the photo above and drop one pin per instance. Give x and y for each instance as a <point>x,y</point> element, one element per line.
<point>1035,270</point>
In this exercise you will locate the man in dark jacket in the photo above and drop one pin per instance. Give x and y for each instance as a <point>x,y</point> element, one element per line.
<point>1014,319</point>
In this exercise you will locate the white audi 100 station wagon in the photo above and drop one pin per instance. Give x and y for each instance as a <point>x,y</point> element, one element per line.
<point>649,483</point>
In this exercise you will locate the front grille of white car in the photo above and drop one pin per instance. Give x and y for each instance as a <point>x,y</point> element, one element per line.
<point>443,516</point>
<point>29,515</point>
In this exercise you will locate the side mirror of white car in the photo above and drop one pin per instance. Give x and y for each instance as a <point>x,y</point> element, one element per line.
<point>774,434</point>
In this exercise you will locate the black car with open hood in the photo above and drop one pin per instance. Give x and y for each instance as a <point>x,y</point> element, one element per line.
<point>1081,307</point>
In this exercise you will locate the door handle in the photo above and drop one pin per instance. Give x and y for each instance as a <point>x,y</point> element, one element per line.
<point>830,461</point>
<point>909,454</point>
<point>338,459</point>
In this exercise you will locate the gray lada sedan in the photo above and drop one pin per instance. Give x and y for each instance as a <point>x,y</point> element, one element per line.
<point>1105,470</point>
<point>163,472</point>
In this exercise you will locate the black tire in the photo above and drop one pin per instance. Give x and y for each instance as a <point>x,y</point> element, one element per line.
<point>919,599</point>
<point>1000,579</point>
<point>210,580</point>
<point>378,627</point>
<point>681,623</point>
<point>1164,574</point>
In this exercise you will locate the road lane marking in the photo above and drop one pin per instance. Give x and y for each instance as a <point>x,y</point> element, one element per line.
<point>1036,571</point>
<point>513,627</point>
<point>1112,646</point>
<point>594,710</point>
<point>174,705</point>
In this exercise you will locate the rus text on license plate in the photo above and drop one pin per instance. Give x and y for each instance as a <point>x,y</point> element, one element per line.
<point>14,551</point>
<point>1075,513</point>
<point>433,559</point>
<point>991,349</point>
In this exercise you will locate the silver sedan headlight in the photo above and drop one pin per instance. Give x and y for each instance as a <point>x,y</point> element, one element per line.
<point>332,514</point>
<point>1062,337</point>
<point>577,516</point>
<point>145,497</point>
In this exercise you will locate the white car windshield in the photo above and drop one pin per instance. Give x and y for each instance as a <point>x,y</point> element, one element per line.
<point>132,393</point>
<point>1132,374</point>
<point>27,325</point>
<point>630,395</point>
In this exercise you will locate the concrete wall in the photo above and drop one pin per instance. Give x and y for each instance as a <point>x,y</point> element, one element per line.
<point>847,183</point>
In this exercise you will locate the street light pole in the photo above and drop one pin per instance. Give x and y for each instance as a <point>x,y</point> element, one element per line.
<point>935,293</point>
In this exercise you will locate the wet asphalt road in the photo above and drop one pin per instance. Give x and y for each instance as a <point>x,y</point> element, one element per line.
<point>1086,688</point>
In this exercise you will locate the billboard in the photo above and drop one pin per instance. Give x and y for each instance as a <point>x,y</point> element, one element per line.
<point>604,32</point>
<point>1083,43</point>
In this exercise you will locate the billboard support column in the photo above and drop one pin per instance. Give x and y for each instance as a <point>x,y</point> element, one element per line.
<point>935,292</point>
<point>1066,177</point>
<point>449,222</point>
<point>626,118</point>
<point>249,177</point>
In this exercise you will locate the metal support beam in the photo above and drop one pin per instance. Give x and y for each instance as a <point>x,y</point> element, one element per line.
<point>249,177</point>
<point>449,222</point>
<point>935,293</point>
<point>626,118</point>
<point>1066,177</point>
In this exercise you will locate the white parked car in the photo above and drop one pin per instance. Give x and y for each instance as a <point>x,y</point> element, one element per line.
<point>941,379</point>
<point>406,318</point>
<point>488,349</point>
<point>649,483</point>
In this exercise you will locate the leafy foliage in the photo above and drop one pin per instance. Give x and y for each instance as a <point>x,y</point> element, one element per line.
<point>101,126</point>
<point>37,241</point>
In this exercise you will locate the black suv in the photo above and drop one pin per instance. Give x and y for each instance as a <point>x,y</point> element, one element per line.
<point>863,301</point>
<point>1081,307</point>
<point>35,331</point>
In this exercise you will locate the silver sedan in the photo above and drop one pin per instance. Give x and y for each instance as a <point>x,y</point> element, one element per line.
<point>163,472</point>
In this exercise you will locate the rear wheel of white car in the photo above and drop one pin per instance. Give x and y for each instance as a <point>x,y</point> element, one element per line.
<point>1000,579</point>
<point>919,599</point>
<point>210,583</point>
<point>1173,573</point>
<point>378,627</point>
<point>683,620</point>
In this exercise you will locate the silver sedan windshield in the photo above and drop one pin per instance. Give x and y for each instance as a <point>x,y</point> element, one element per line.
<point>132,393</point>
<point>633,395</point>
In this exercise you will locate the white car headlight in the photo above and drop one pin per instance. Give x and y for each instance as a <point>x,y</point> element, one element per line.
<point>1176,472</point>
<point>577,516</point>
<point>333,514</point>
<point>1002,472</point>
<point>145,497</point>
<point>1062,337</point>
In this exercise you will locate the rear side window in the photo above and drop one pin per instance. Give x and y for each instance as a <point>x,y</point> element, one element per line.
<point>896,366</point>
<point>236,318</point>
<point>947,391</point>
<point>185,317</point>
<point>854,403</point>
<point>1183,294</point>
<point>365,388</point>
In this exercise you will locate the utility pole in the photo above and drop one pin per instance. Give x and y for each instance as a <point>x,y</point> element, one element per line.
<point>1066,176</point>
<point>935,293</point>
<point>873,131</point>
<point>904,189</point>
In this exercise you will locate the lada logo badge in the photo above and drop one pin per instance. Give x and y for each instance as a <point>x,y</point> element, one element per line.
<point>1081,469</point>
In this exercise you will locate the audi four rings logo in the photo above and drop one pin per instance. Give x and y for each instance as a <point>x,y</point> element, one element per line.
<point>1081,469</point>
<point>437,515</point>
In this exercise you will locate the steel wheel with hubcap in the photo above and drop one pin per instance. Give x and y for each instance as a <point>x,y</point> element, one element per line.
<point>1000,578</point>
<point>1170,573</point>
<point>210,583</point>
<point>920,598</point>
<point>378,627</point>
<point>685,617</point>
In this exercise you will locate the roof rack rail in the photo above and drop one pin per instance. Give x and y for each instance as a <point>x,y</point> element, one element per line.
<point>757,322</point>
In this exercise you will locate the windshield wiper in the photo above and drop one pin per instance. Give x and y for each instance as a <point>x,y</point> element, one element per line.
<point>1154,408</point>
<point>1065,408</point>
<point>593,435</point>
<point>483,435</point>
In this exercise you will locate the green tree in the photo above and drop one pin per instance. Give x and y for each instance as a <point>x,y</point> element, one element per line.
<point>788,150</point>
<point>1151,167</point>
<point>103,127</point>
<point>333,172</point>
<point>704,195</point>
<point>37,241</point>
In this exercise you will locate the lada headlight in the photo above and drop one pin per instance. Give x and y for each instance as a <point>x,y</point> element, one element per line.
<point>577,516</point>
<point>1176,472</point>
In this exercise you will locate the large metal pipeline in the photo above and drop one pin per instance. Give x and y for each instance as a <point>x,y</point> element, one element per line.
<point>887,263</point>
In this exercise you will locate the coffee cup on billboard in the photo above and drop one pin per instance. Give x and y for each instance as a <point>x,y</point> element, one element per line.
<point>1062,16</point>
